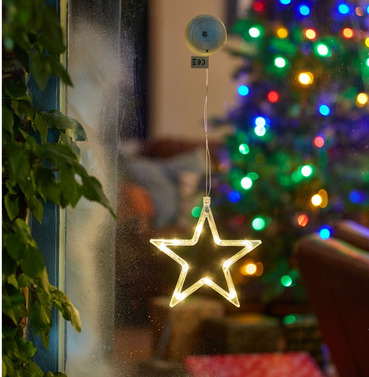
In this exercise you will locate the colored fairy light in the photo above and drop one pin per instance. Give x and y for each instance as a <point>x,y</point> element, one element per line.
<point>322,50</point>
<point>244,149</point>
<point>324,110</point>
<point>304,10</point>
<point>258,6</point>
<point>258,223</point>
<point>289,319</point>
<point>246,183</point>
<point>316,200</point>
<point>362,99</point>
<point>196,211</point>
<point>319,141</point>
<point>324,195</point>
<point>285,2</point>
<point>260,121</point>
<point>367,62</point>
<point>252,175</point>
<point>234,197</point>
<point>347,32</point>
<point>243,90</point>
<point>280,62</point>
<point>282,32</point>
<point>366,41</point>
<point>250,268</point>
<point>324,233</point>
<point>359,12</point>
<point>254,32</point>
<point>306,170</point>
<point>166,245</point>
<point>302,220</point>
<point>260,131</point>
<point>286,280</point>
<point>239,219</point>
<point>273,96</point>
<point>357,196</point>
<point>343,8</point>
<point>306,78</point>
<point>310,34</point>
<point>367,9</point>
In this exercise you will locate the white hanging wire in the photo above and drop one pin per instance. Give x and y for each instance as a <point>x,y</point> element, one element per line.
<point>207,151</point>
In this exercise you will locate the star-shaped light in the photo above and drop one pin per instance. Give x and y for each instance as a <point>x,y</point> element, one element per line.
<point>178,294</point>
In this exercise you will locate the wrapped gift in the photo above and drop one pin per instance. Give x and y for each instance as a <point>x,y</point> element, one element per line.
<point>241,334</point>
<point>176,330</point>
<point>298,364</point>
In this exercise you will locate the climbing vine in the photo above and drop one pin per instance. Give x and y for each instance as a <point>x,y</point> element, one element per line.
<point>40,164</point>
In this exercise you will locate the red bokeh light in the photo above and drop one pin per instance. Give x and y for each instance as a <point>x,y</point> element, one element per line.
<point>273,96</point>
<point>302,220</point>
<point>239,219</point>
<point>258,6</point>
<point>319,141</point>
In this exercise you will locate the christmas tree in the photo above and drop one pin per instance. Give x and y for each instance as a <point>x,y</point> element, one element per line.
<point>298,159</point>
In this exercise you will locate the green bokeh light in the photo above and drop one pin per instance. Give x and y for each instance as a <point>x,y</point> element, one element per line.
<point>307,170</point>
<point>244,149</point>
<point>286,281</point>
<point>289,319</point>
<point>280,62</point>
<point>196,211</point>
<point>258,223</point>
<point>246,183</point>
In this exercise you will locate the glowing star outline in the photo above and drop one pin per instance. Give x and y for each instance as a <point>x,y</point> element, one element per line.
<point>178,294</point>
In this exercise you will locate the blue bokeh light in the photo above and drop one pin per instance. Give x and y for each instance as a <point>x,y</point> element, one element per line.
<point>343,8</point>
<point>243,90</point>
<point>357,196</point>
<point>260,121</point>
<point>324,233</point>
<point>234,197</point>
<point>285,2</point>
<point>324,110</point>
<point>304,10</point>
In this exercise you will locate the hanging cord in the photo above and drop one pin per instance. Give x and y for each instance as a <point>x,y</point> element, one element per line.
<point>207,151</point>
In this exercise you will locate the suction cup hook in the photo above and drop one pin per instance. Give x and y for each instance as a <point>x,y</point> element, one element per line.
<point>205,35</point>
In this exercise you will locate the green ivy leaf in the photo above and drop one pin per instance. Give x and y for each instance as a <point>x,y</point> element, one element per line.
<point>51,35</point>
<point>15,245</point>
<point>36,207</point>
<point>40,68</point>
<point>8,119</point>
<point>10,187</point>
<point>19,164</point>
<point>59,70</point>
<point>41,126</point>
<point>12,205</point>
<point>15,89</point>
<point>23,108</point>
<point>33,263</point>
<point>41,321</point>
<point>8,367</point>
<point>92,190</point>
<point>13,303</point>
<point>69,187</point>
<point>62,302</point>
<point>46,184</point>
<point>24,280</point>
<point>13,281</point>
<point>31,370</point>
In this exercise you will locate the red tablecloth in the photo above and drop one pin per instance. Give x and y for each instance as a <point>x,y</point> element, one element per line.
<point>296,364</point>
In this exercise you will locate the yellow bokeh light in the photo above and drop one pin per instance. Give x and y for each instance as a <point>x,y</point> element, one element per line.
<point>359,11</point>
<point>324,195</point>
<point>306,78</point>
<point>250,268</point>
<point>361,99</point>
<point>367,42</point>
<point>310,34</point>
<point>316,200</point>
<point>282,32</point>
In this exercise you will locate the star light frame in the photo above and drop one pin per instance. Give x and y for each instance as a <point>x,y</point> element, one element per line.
<point>206,214</point>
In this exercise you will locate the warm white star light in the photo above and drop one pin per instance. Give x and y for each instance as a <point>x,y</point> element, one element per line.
<point>178,294</point>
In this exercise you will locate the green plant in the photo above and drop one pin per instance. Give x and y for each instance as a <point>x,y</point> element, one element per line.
<point>34,170</point>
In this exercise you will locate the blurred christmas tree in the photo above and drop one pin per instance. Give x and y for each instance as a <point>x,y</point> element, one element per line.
<point>299,157</point>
